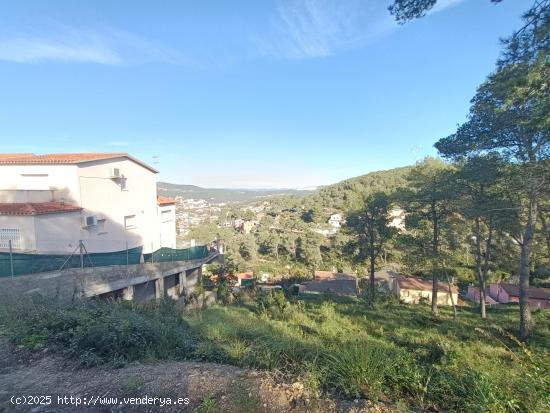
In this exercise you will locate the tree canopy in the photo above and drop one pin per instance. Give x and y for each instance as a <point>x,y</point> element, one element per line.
<point>406,10</point>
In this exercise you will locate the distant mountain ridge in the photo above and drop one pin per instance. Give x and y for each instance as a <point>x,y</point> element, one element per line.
<point>338,196</point>
<point>219,195</point>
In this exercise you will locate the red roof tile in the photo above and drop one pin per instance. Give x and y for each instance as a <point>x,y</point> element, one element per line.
<point>29,158</point>
<point>411,283</point>
<point>63,158</point>
<point>164,200</point>
<point>14,155</point>
<point>36,208</point>
<point>532,292</point>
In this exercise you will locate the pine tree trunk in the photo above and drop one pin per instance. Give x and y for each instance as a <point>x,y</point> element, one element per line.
<point>546,231</point>
<point>372,255</point>
<point>435,246</point>
<point>481,281</point>
<point>488,248</point>
<point>526,325</point>
<point>371,281</point>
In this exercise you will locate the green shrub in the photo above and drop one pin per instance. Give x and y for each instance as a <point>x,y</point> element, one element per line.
<point>272,303</point>
<point>362,369</point>
<point>97,332</point>
<point>223,293</point>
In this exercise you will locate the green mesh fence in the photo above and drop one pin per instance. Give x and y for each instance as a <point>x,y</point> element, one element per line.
<point>170,254</point>
<point>35,263</point>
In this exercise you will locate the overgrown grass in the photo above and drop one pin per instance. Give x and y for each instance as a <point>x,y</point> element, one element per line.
<point>97,332</point>
<point>390,352</point>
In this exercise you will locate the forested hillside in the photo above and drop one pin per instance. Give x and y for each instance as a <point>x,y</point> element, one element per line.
<point>290,233</point>
<point>288,236</point>
<point>350,193</point>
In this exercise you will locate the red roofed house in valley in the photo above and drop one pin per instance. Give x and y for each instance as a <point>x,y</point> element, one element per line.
<point>245,278</point>
<point>473,295</point>
<point>412,290</point>
<point>108,200</point>
<point>331,282</point>
<point>509,293</point>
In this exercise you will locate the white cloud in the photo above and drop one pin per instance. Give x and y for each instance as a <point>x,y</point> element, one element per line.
<point>106,47</point>
<point>443,4</point>
<point>320,28</point>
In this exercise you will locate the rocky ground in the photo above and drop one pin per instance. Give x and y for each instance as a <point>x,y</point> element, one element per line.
<point>208,388</point>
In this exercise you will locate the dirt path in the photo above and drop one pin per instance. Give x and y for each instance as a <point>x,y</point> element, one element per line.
<point>208,388</point>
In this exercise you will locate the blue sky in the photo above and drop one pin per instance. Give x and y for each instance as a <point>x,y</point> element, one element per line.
<point>271,93</point>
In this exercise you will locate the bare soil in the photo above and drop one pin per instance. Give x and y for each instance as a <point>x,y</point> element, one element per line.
<point>208,387</point>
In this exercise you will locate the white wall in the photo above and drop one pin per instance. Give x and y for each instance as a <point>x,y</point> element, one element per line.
<point>25,225</point>
<point>57,233</point>
<point>105,198</point>
<point>167,225</point>
<point>34,183</point>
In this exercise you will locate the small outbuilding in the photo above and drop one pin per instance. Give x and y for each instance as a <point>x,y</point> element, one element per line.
<point>412,290</point>
<point>331,282</point>
<point>509,293</point>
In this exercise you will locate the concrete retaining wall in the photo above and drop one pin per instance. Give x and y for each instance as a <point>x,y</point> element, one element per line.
<point>139,282</point>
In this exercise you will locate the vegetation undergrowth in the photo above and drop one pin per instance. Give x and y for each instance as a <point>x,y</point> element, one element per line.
<point>388,352</point>
<point>97,332</point>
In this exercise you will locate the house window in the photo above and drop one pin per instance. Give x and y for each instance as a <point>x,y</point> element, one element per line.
<point>123,184</point>
<point>130,222</point>
<point>10,234</point>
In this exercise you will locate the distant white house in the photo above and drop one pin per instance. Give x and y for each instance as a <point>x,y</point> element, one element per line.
<point>108,200</point>
<point>397,219</point>
<point>336,221</point>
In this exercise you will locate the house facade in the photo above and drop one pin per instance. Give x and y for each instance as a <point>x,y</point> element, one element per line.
<point>48,203</point>
<point>473,294</point>
<point>167,221</point>
<point>509,293</point>
<point>413,290</point>
<point>336,221</point>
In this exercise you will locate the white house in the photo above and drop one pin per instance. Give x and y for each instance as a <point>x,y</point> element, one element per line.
<point>413,290</point>
<point>108,200</point>
<point>336,221</point>
<point>397,219</point>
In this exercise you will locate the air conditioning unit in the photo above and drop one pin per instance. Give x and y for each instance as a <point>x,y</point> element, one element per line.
<point>115,173</point>
<point>90,221</point>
